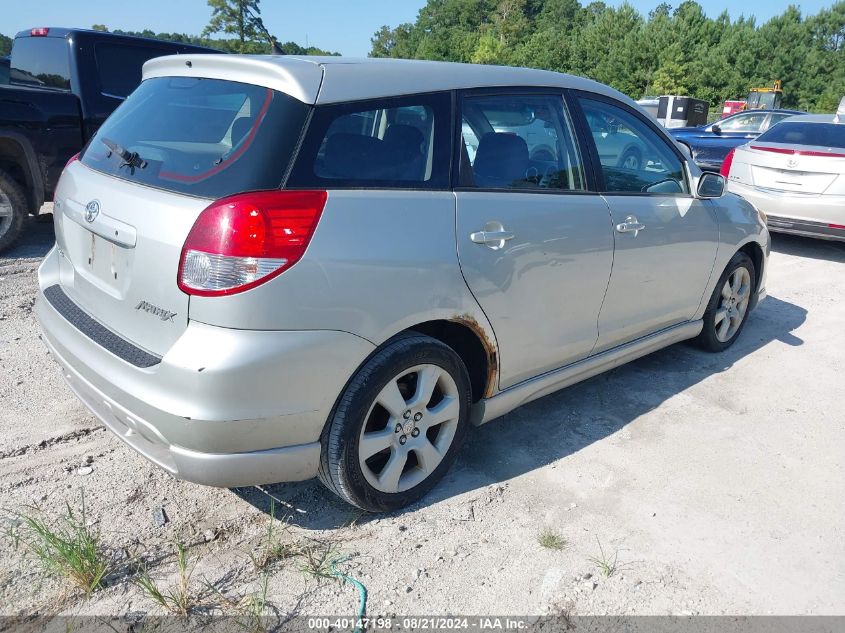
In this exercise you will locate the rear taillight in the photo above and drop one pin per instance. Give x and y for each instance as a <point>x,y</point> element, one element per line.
<point>725,169</point>
<point>71,160</point>
<point>244,240</point>
<point>41,31</point>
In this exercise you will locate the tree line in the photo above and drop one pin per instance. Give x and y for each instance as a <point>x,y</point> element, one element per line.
<point>671,51</point>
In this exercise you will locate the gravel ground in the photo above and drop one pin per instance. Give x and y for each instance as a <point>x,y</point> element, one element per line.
<point>715,483</point>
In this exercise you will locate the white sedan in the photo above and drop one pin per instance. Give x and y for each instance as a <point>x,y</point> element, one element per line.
<point>795,174</point>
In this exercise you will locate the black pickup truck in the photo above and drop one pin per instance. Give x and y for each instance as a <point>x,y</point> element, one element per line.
<point>59,87</point>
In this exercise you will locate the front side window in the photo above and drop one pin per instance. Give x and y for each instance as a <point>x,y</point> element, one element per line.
<point>633,157</point>
<point>750,122</point>
<point>519,142</point>
<point>390,143</point>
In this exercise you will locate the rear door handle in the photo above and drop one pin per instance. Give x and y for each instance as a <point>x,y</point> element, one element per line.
<point>489,237</point>
<point>630,225</point>
<point>494,239</point>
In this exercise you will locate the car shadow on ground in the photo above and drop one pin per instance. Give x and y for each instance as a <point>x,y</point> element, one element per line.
<point>547,430</point>
<point>36,241</point>
<point>828,250</point>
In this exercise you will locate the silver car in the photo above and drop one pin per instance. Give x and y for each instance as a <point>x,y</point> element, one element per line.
<point>795,174</point>
<point>274,268</point>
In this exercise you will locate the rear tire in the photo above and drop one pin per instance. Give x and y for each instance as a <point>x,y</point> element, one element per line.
<point>13,211</point>
<point>727,310</point>
<point>398,425</point>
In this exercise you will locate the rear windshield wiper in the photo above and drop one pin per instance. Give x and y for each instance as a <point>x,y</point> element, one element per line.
<point>130,159</point>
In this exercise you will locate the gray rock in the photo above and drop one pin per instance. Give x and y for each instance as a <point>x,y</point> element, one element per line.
<point>85,470</point>
<point>160,518</point>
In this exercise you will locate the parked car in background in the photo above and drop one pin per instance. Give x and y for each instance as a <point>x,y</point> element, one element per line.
<point>618,145</point>
<point>711,143</point>
<point>271,269</point>
<point>63,84</point>
<point>795,174</point>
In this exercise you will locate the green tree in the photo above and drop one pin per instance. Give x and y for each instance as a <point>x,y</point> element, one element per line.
<point>5,45</point>
<point>671,51</point>
<point>241,18</point>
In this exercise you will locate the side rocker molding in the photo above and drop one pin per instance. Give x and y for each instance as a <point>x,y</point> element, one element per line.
<point>513,397</point>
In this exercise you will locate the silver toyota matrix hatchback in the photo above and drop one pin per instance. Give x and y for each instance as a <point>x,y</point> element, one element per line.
<point>274,268</point>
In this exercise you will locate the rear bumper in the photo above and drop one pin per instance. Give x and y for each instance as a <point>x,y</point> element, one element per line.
<point>808,229</point>
<point>223,407</point>
<point>807,215</point>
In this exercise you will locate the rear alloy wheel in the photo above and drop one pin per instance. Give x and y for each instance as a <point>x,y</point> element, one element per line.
<point>13,211</point>
<point>728,307</point>
<point>398,425</point>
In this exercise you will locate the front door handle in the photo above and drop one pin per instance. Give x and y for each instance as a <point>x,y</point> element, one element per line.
<point>630,225</point>
<point>493,236</point>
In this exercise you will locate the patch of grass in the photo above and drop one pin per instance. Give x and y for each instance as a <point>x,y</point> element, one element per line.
<point>272,549</point>
<point>605,564</point>
<point>317,559</point>
<point>550,539</point>
<point>252,608</point>
<point>68,549</point>
<point>179,600</point>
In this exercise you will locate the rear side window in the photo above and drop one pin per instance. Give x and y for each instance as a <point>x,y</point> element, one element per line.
<point>203,137</point>
<point>41,61</point>
<point>119,66</point>
<point>796,133</point>
<point>385,143</point>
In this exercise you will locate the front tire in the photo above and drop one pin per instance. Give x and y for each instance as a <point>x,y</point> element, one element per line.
<point>397,427</point>
<point>632,159</point>
<point>13,211</point>
<point>727,310</point>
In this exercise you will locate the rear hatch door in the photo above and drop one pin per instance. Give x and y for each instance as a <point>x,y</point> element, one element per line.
<point>121,246</point>
<point>124,210</point>
<point>784,169</point>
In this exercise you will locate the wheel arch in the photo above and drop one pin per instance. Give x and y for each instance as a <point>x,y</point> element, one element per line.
<point>470,341</point>
<point>17,158</point>
<point>755,252</point>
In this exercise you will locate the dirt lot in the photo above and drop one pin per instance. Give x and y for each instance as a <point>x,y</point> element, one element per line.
<point>715,482</point>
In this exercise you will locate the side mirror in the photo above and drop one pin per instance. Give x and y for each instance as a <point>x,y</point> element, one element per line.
<point>711,185</point>
<point>716,130</point>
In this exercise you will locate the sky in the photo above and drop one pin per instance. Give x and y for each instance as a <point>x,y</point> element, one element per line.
<point>345,26</point>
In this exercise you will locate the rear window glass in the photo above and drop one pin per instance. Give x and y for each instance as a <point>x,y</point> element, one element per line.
<point>41,61</point>
<point>796,133</point>
<point>120,66</point>
<point>390,143</point>
<point>203,137</point>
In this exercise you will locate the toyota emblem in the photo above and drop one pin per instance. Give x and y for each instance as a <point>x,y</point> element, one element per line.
<point>92,210</point>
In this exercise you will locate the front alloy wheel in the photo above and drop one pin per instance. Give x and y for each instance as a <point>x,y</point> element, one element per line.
<point>727,310</point>
<point>736,294</point>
